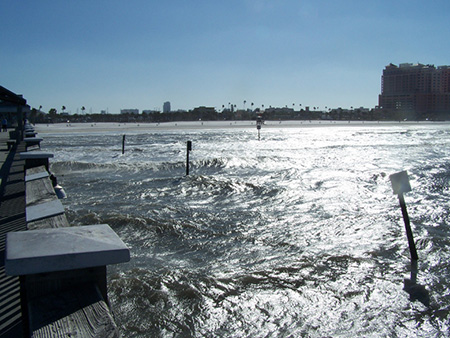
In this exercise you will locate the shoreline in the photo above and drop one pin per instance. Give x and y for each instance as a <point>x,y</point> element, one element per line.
<point>101,127</point>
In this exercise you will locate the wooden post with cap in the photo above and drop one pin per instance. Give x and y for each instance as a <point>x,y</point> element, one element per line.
<point>400,185</point>
<point>258,125</point>
<point>188,149</point>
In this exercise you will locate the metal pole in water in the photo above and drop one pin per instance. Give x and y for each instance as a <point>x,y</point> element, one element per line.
<point>400,184</point>
<point>188,149</point>
<point>123,144</point>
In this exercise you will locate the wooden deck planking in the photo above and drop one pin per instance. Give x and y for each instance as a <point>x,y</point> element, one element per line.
<point>12,218</point>
<point>73,313</point>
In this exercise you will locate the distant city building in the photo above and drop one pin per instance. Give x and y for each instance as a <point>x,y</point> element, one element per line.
<point>130,111</point>
<point>166,107</point>
<point>415,91</point>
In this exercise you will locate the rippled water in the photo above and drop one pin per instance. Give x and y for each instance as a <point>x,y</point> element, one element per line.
<point>298,234</point>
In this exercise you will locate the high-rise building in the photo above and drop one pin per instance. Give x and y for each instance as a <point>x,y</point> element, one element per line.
<point>166,107</point>
<point>415,91</point>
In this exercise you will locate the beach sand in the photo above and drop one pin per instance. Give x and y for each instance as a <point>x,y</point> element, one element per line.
<point>106,127</point>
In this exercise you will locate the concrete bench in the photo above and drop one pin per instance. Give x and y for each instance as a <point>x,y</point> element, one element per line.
<point>36,158</point>
<point>54,274</point>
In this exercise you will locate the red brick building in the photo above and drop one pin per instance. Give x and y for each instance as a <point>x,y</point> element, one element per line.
<point>415,91</point>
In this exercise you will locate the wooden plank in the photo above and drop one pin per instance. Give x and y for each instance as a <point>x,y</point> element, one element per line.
<point>32,177</point>
<point>79,312</point>
<point>44,210</point>
<point>34,147</point>
<point>35,155</point>
<point>58,221</point>
<point>32,140</point>
<point>35,170</point>
<point>39,191</point>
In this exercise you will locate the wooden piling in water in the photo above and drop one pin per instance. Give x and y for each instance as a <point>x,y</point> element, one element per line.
<point>188,149</point>
<point>400,184</point>
<point>409,235</point>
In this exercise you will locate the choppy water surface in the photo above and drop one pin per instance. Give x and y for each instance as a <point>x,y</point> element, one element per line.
<point>297,234</point>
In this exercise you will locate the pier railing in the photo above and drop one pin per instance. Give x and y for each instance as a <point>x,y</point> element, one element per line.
<point>62,269</point>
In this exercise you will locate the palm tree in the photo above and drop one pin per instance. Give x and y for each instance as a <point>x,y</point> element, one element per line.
<point>244,103</point>
<point>83,109</point>
<point>63,108</point>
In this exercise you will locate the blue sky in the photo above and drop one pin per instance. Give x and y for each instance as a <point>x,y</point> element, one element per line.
<point>114,54</point>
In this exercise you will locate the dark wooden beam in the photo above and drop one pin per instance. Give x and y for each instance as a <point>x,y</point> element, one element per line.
<point>8,96</point>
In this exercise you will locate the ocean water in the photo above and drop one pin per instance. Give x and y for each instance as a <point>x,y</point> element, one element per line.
<point>295,235</point>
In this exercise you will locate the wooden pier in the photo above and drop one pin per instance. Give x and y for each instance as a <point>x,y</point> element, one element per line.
<point>12,218</point>
<point>48,288</point>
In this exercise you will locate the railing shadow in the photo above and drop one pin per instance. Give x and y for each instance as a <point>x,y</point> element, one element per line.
<point>416,291</point>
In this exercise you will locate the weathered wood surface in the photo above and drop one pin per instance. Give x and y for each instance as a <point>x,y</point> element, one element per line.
<point>40,190</point>
<point>73,313</point>
<point>33,147</point>
<point>63,304</point>
<point>58,221</point>
<point>36,176</point>
<point>44,210</point>
<point>12,206</point>
<point>36,170</point>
